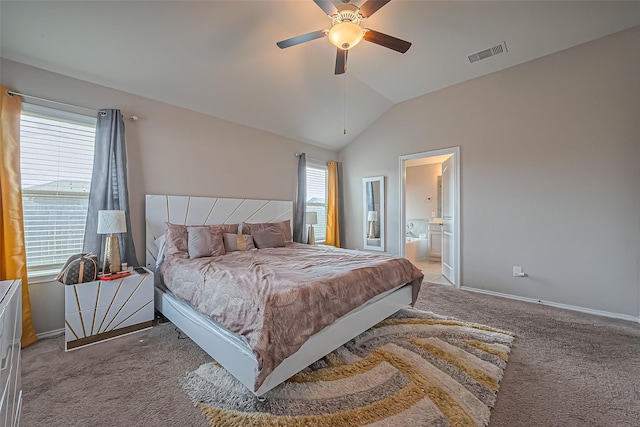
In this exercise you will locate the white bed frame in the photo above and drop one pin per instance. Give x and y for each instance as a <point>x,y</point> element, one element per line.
<point>230,350</point>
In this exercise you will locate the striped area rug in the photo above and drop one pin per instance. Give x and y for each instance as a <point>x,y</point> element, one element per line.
<point>415,368</point>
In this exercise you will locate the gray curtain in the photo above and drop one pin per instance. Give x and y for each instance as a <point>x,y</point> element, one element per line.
<point>109,189</point>
<point>299,222</point>
<point>341,222</point>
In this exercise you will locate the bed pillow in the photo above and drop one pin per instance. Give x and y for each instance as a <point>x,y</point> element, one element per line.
<point>269,238</point>
<point>205,241</point>
<point>283,226</point>
<point>177,236</point>
<point>176,239</point>
<point>228,228</point>
<point>238,242</point>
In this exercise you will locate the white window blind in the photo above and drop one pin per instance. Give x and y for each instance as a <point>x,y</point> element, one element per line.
<point>56,162</point>
<point>317,198</point>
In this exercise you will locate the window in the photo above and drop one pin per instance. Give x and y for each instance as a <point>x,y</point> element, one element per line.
<point>56,162</point>
<point>317,198</point>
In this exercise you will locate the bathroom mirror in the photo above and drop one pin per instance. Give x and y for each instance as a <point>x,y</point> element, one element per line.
<point>373,196</point>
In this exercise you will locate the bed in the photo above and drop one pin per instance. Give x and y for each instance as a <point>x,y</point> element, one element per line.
<point>266,351</point>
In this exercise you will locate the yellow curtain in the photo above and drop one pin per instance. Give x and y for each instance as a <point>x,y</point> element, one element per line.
<point>333,224</point>
<point>13,258</point>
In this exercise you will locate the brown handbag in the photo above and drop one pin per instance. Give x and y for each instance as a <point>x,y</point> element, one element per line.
<point>79,268</point>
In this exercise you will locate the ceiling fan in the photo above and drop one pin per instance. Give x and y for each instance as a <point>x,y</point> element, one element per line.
<point>346,30</point>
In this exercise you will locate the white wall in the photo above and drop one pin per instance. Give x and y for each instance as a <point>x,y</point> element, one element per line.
<point>550,173</point>
<point>421,185</point>
<point>170,150</point>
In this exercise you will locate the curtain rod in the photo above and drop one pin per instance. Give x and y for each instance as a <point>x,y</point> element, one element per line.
<point>313,158</point>
<point>12,93</point>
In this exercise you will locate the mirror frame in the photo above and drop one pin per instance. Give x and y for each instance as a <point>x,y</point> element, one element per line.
<point>381,213</point>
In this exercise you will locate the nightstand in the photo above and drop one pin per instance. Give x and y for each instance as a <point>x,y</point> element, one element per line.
<point>105,309</point>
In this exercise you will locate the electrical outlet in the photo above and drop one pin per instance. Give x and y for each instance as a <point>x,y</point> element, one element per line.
<point>518,272</point>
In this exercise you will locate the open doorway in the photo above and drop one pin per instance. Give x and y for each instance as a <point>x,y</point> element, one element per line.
<point>430,213</point>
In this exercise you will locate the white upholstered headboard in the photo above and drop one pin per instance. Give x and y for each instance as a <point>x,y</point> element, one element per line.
<point>188,210</point>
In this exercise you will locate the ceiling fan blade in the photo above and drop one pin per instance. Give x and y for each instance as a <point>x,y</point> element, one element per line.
<point>387,41</point>
<point>370,7</point>
<point>341,61</point>
<point>301,39</point>
<point>326,6</point>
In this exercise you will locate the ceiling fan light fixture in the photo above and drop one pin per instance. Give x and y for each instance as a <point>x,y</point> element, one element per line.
<point>347,30</point>
<point>345,35</point>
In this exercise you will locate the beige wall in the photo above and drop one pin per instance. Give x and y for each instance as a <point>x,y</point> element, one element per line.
<point>421,185</point>
<point>550,173</point>
<point>540,143</point>
<point>170,150</point>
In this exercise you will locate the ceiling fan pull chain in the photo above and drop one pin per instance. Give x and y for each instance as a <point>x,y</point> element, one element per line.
<point>344,88</point>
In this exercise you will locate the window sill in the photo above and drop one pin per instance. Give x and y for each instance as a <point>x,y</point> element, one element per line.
<point>42,276</point>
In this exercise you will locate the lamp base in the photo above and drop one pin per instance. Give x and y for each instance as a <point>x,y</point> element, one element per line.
<point>111,255</point>
<point>372,230</point>
<point>311,239</point>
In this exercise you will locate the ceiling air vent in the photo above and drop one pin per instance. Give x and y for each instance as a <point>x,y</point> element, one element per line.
<point>492,51</point>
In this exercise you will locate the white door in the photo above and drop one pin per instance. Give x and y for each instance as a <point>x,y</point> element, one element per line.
<point>448,219</point>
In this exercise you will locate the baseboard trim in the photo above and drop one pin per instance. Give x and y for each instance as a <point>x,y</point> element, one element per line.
<point>556,304</point>
<point>50,334</point>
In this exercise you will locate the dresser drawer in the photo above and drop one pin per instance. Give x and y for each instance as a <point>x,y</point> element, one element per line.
<point>10,334</point>
<point>106,293</point>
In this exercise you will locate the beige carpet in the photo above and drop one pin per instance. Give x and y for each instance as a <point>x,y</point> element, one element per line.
<point>415,368</point>
<point>565,369</point>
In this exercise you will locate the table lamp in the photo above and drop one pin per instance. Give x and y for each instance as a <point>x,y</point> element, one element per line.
<point>110,222</point>
<point>312,219</point>
<point>372,217</point>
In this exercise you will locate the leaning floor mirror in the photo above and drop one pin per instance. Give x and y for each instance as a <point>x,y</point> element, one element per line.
<point>373,192</point>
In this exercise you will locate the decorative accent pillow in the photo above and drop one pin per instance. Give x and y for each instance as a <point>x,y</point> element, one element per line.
<point>238,242</point>
<point>269,238</point>
<point>177,237</point>
<point>284,227</point>
<point>205,241</point>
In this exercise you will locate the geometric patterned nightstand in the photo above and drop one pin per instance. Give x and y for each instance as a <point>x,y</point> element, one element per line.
<point>105,309</point>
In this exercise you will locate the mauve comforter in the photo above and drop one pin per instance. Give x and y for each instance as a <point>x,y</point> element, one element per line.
<point>278,297</point>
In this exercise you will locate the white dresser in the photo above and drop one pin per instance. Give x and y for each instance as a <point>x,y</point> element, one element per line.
<point>10,334</point>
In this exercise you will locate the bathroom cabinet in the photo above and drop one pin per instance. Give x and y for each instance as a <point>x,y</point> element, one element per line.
<point>434,235</point>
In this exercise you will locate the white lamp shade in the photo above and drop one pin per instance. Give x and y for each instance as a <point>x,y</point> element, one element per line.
<point>111,222</point>
<point>312,218</point>
<point>372,216</point>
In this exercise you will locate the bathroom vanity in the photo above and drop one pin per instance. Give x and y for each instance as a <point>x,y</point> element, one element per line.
<point>434,236</point>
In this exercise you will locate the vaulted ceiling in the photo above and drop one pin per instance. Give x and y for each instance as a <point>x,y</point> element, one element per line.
<point>220,57</point>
